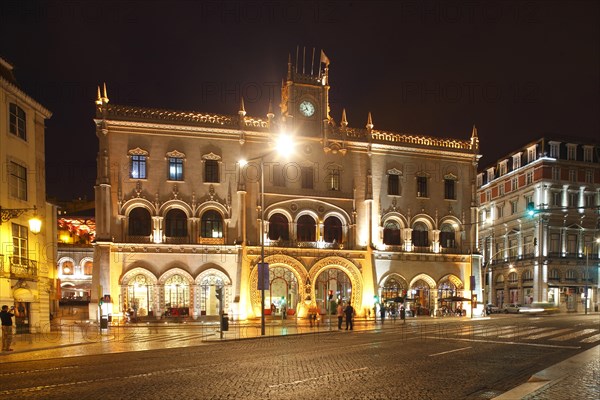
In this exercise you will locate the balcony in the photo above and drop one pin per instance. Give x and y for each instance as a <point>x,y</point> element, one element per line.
<point>23,268</point>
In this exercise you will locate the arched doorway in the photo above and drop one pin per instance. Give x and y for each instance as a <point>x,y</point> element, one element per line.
<point>421,297</point>
<point>177,296</point>
<point>139,296</point>
<point>331,287</point>
<point>283,296</point>
<point>209,304</point>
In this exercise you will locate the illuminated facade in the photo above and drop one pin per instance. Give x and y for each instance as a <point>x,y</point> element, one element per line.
<point>550,252</point>
<point>75,262</point>
<point>350,213</point>
<point>27,273</point>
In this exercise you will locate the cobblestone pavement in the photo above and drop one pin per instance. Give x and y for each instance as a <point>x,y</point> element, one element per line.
<point>425,359</point>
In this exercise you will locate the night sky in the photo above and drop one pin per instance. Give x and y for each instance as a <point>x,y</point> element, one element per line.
<point>518,70</point>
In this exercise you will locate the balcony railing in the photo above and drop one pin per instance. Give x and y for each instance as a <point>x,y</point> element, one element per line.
<point>21,267</point>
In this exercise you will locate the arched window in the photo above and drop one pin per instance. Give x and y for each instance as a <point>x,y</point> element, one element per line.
<point>307,229</point>
<point>67,268</point>
<point>212,225</point>
<point>279,227</point>
<point>88,267</point>
<point>140,222</point>
<point>420,236</point>
<point>447,236</point>
<point>177,292</point>
<point>391,233</point>
<point>332,230</point>
<point>176,223</point>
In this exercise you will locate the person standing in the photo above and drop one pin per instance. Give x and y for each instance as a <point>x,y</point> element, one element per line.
<point>349,311</point>
<point>340,315</point>
<point>6,318</point>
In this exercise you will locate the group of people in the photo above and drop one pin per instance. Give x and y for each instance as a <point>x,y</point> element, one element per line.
<point>342,312</point>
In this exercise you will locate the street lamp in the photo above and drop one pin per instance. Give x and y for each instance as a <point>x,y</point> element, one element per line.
<point>283,146</point>
<point>35,224</point>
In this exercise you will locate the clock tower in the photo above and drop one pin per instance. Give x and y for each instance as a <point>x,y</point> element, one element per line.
<point>305,95</point>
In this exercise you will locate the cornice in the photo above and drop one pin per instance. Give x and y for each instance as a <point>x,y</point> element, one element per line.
<point>9,87</point>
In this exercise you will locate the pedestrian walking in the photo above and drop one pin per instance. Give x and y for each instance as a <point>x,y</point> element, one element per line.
<point>349,311</point>
<point>340,315</point>
<point>6,318</point>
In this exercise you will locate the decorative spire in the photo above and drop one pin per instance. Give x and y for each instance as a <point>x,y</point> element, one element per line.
<point>289,72</point>
<point>474,138</point>
<point>369,122</point>
<point>99,97</point>
<point>242,111</point>
<point>105,97</point>
<point>344,122</point>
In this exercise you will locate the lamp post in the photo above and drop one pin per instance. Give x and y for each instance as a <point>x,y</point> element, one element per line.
<point>283,146</point>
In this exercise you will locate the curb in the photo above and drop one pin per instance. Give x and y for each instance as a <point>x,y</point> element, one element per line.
<point>551,375</point>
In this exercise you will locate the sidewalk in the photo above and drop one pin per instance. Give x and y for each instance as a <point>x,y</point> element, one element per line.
<point>575,378</point>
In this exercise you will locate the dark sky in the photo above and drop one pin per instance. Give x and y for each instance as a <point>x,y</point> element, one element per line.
<point>518,70</point>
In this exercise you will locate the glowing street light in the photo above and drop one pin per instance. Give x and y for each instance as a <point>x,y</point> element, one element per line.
<point>35,224</point>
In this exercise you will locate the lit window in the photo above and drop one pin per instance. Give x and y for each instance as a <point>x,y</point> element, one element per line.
<point>17,121</point>
<point>212,225</point>
<point>138,167</point>
<point>175,169</point>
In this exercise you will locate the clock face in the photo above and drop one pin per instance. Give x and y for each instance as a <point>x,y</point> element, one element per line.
<point>307,108</point>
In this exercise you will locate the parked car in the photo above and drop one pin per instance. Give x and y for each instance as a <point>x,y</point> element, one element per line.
<point>492,309</point>
<point>513,308</point>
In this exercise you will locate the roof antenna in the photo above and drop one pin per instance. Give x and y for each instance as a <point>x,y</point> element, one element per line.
<point>303,59</point>
<point>297,49</point>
